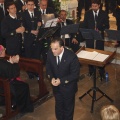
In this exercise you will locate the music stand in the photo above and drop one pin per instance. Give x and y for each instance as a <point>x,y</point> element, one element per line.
<point>113,34</point>
<point>90,34</point>
<point>72,28</point>
<point>95,64</point>
<point>93,35</point>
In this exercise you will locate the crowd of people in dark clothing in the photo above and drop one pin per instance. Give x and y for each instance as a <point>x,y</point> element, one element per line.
<point>19,29</point>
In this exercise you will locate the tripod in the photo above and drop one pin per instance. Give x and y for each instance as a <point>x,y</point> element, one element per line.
<point>95,89</point>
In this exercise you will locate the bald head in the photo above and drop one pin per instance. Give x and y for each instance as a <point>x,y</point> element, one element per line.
<point>43,4</point>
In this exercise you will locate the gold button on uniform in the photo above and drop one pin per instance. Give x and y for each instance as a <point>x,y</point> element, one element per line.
<point>48,76</point>
<point>12,34</point>
<point>66,81</point>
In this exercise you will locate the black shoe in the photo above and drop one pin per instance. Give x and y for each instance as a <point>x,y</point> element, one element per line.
<point>30,75</point>
<point>14,107</point>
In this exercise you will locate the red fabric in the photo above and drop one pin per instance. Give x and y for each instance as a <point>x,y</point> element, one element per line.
<point>18,79</point>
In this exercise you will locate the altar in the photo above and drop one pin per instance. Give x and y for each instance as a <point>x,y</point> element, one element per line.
<point>70,6</point>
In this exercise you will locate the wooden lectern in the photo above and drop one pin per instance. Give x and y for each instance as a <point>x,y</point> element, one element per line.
<point>95,64</point>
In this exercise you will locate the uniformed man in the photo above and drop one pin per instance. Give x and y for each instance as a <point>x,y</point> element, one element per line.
<point>12,30</point>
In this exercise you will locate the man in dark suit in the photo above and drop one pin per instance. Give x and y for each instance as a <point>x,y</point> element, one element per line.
<point>44,8</point>
<point>96,19</point>
<point>12,30</point>
<point>9,69</point>
<point>70,39</point>
<point>31,22</point>
<point>3,13</point>
<point>63,69</point>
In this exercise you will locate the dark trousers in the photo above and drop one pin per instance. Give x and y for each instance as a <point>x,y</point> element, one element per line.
<point>64,105</point>
<point>21,96</point>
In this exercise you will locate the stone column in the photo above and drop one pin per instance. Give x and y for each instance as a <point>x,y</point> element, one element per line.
<point>71,7</point>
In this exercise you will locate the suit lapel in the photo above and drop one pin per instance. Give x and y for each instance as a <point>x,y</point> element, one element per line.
<point>92,16</point>
<point>99,15</point>
<point>28,15</point>
<point>54,60</point>
<point>63,60</point>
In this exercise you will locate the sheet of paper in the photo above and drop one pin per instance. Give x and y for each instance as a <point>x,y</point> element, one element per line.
<point>87,54</point>
<point>51,23</point>
<point>101,57</point>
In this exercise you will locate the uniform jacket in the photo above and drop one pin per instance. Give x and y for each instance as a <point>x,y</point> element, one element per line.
<point>13,39</point>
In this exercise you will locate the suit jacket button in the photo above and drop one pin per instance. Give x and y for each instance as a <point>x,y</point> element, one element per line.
<point>12,34</point>
<point>48,76</point>
<point>66,81</point>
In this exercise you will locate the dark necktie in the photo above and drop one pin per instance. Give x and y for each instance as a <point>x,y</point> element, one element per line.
<point>63,24</point>
<point>96,16</point>
<point>32,15</point>
<point>58,61</point>
<point>43,12</point>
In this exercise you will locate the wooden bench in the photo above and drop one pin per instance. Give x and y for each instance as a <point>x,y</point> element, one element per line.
<point>26,64</point>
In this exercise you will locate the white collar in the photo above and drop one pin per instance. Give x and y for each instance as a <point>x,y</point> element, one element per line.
<point>96,12</point>
<point>61,54</point>
<point>13,16</point>
<point>42,10</point>
<point>31,12</point>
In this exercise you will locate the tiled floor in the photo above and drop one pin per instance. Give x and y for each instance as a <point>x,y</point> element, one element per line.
<point>83,107</point>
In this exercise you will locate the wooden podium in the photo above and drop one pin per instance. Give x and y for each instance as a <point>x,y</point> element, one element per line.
<point>95,64</point>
